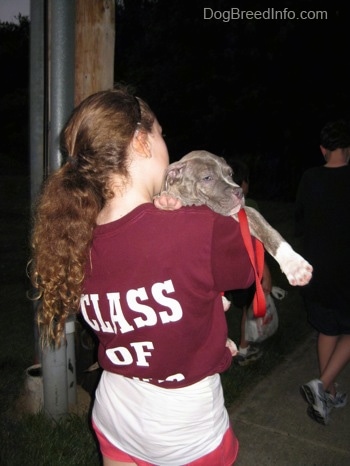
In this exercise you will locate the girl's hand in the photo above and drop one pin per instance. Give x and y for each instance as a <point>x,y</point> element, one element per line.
<point>232,347</point>
<point>167,201</point>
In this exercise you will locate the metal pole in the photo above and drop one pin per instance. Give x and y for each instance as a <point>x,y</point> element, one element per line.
<point>62,65</point>
<point>71,362</point>
<point>54,368</point>
<point>61,103</point>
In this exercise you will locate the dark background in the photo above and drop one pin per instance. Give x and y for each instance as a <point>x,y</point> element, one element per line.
<point>256,89</point>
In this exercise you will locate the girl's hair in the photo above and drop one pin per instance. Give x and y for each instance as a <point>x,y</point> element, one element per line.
<point>96,144</point>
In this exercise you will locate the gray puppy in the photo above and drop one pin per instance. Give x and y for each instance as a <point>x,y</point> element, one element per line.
<point>204,178</point>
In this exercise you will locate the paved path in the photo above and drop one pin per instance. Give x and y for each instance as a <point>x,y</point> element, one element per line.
<point>272,425</point>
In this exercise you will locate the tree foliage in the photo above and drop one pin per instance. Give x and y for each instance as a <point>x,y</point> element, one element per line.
<point>258,89</point>
<point>14,90</point>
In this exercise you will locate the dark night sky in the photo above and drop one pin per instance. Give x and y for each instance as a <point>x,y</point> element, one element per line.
<point>260,88</point>
<point>257,88</point>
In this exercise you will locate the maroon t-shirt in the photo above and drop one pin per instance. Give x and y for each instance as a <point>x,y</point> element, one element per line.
<point>152,293</point>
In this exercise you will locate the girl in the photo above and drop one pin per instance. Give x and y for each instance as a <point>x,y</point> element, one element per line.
<point>147,281</point>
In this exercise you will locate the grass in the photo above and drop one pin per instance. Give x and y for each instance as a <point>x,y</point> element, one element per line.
<point>35,440</point>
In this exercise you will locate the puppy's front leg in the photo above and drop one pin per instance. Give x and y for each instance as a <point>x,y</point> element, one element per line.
<point>167,201</point>
<point>297,270</point>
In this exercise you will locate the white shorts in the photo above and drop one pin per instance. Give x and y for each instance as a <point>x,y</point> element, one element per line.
<point>163,426</point>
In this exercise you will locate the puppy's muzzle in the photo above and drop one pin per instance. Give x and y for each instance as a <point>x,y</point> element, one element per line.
<point>237,192</point>
<point>237,199</point>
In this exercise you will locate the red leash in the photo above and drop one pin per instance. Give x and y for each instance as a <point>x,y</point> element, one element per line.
<point>257,259</point>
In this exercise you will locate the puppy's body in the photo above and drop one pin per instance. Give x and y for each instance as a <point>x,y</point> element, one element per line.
<point>204,178</point>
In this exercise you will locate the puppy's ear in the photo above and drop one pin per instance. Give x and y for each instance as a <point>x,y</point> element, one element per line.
<point>174,173</point>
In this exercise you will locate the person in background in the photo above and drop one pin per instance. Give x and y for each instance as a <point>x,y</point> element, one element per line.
<point>147,281</point>
<point>322,213</point>
<point>242,299</point>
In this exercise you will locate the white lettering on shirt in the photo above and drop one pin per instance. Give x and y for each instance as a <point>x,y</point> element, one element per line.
<point>90,303</point>
<point>116,314</point>
<point>85,301</point>
<point>105,326</point>
<point>173,305</point>
<point>121,356</point>
<point>147,311</point>
<point>141,353</point>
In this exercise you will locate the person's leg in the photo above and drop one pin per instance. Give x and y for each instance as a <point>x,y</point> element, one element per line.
<point>334,354</point>
<point>247,353</point>
<point>109,462</point>
<point>320,394</point>
<point>111,455</point>
<point>243,342</point>
<point>325,347</point>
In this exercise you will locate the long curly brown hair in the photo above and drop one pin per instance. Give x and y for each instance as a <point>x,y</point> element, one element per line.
<point>95,143</point>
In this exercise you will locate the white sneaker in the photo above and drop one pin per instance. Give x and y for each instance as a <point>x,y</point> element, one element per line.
<point>314,394</point>
<point>339,400</point>
<point>251,355</point>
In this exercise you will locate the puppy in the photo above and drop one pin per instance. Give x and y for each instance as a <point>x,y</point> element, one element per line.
<point>204,178</point>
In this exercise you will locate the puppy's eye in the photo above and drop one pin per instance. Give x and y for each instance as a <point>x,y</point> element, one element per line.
<point>207,178</point>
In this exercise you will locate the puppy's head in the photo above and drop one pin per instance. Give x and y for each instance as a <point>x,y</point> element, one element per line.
<point>204,178</point>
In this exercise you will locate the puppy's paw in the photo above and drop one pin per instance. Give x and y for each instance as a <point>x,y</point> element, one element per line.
<point>167,201</point>
<point>297,270</point>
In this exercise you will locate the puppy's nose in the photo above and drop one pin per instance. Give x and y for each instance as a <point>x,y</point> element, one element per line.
<point>238,192</point>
